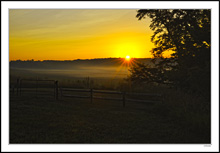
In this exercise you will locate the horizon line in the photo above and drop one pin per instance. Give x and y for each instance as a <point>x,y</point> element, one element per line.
<point>79,59</point>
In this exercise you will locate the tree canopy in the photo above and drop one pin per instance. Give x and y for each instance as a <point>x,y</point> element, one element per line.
<point>186,34</point>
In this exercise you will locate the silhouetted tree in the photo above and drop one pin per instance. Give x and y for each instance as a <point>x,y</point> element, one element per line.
<point>187,34</point>
<point>142,73</point>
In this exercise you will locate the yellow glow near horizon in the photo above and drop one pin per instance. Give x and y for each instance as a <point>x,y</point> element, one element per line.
<point>42,34</point>
<point>125,48</point>
<point>127,58</point>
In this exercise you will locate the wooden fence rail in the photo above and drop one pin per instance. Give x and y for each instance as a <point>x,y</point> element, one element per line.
<point>107,92</point>
<point>123,95</point>
<point>20,88</point>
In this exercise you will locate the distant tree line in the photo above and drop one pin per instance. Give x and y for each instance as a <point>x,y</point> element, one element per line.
<point>71,64</point>
<point>93,59</point>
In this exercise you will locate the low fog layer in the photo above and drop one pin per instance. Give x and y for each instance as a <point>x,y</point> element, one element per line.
<point>98,68</point>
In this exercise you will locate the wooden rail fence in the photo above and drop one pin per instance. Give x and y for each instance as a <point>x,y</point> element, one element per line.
<point>122,94</point>
<point>20,89</point>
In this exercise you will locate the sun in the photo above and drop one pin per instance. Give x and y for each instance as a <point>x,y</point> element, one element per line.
<point>128,58</point>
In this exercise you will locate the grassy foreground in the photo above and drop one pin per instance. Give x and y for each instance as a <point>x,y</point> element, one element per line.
<point>45,120</point>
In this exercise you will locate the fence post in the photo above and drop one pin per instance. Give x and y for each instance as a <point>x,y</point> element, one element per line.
<point>61,92</point>
<point>36,86</point>
<point>20,83</point>
<point>56,83</point>
<point>123,99</point>
<point>17,85</point>
<point>91,94</point>
<point>54,89</point>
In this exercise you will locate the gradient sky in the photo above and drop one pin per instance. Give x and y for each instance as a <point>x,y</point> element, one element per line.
<point>62,34</point>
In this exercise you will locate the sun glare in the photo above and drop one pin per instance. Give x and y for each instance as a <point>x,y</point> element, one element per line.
<point>127,58</point>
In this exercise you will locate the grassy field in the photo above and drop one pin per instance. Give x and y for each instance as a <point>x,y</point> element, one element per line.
<point>43,119</point>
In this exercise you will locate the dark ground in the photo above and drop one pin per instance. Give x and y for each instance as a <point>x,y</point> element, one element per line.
<point>67,120</point>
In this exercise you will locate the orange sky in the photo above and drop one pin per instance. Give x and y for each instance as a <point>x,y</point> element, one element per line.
<point>64,34</point>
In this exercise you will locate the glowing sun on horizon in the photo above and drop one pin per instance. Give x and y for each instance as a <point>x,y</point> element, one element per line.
<point>128,58</point>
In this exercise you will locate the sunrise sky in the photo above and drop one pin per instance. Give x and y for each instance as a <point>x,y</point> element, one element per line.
<point>64,34</point>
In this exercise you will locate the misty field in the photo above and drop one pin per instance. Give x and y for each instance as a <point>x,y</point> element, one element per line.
<point>102,73</point>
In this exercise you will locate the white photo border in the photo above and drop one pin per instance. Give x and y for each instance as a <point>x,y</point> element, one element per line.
<point>213,5</point>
